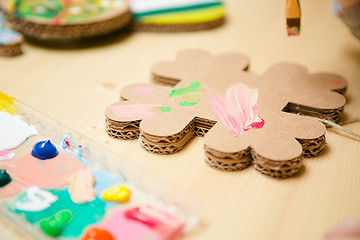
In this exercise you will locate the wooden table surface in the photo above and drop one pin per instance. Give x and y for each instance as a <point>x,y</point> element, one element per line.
<point>73,84</point>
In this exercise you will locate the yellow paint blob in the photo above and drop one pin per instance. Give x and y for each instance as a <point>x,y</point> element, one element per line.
<point>118,193</point>
<point>186,17</point>
<point>6,104</point>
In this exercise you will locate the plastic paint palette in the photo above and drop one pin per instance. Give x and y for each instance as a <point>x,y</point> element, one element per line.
<point>150,208</point>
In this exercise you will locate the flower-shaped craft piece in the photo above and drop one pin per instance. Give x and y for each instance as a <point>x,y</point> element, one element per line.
<point>246,119</point>
<point>66,19</point>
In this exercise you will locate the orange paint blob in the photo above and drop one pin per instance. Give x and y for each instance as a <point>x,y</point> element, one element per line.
<point>97,234</point>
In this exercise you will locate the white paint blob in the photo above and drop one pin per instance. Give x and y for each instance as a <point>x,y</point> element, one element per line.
<point>36,200</point>
<point>13,131</point>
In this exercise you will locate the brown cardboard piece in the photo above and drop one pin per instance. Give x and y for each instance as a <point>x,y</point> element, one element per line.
<point>12,49</point>
<point>187,27</point>
<point>48,29</point>
<point>276,149</point>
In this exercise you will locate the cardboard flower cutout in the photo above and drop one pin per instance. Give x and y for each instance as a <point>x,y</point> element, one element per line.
<point>246,119</point>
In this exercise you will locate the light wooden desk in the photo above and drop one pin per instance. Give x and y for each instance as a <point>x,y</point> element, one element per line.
<point>74,85</point>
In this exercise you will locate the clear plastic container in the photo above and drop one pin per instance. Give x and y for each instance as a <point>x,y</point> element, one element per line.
<point>146,188</point>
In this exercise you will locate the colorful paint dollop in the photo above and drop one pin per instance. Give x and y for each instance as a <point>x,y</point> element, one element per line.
<point>105,181</point>
<point>63,11</point>
<point>239,112</point>
<point>44,150</point>
<point>6,155</point>
<point>54,225</point>
<point>14,131</point>
<point>142,222</point>
<point>35,199</point>
<point>82,186</point>
<point>83,214</point>
<point>5,178</point>
<point>117,193</point>
<point>6,102</point>
<point>10,190</point>
<point>189,95</point>
<point>52,173</point>
<point>97,234</point>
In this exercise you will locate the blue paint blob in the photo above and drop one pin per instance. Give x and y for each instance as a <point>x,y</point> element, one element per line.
<point>44,150</point>
<point>84,214</point>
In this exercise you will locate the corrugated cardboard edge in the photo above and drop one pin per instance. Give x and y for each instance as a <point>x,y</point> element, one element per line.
<point>150,27</point>
<point>309,143</point>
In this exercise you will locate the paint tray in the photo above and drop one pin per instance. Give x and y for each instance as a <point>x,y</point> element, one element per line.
<point>146,189</point>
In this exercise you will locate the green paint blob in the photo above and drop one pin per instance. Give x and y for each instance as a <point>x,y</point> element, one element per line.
<point>164,109</point>
<point>190,95</point>
<point>46,10</point>
<point>53,225</point>
<point>59,10</point>
<point>5,178</point>
<point>83,214</point>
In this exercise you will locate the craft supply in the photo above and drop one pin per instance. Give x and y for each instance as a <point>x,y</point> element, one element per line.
<point>6,155</point>
<point>14,131</point>
<point>134,228</point>
<point>189,95</point>
<point>259,122</point>
<point>162,222</point>
<point>97,234</point>
<point>338,126</point>
<point>293,17</point>
<point>44,150</point>
<point>5,178</point>
<point>58,191</point>
<point>117,193</point>
<point>64,20</point>
<point>35,200</point>
<point>239,112</point>
<point>9,190</point>
<point>53,173</point>
<point>145,215</point>
<point>83,214</point>
<point>82,186</point>
<point>177,15</point>
<point>55,224</point>
<point>6,104</point>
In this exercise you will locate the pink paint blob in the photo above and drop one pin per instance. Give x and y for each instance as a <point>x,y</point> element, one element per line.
<point>82,186</point>
<point>143,91</point>
<point>135,111</point>
<point>6,155</point>
<point>121,227</point>
<point>239,112</point>
<point>9,190</point>
<point>46,174</point>
<point>292,31</point>
<point>348,229</point>
<point>136,223</point>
